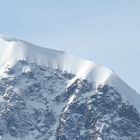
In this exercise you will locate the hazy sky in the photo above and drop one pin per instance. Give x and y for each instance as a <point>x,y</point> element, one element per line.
<point>106,31</point>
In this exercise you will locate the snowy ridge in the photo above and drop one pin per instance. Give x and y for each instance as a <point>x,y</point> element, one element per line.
<point>13,50</point>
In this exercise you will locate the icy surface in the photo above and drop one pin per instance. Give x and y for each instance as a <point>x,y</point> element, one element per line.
<point>51,95</point>
<point>12,50</point>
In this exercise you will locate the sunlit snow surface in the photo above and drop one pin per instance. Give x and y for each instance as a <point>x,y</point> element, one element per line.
<point>15,54</point>
<point>12,50</point>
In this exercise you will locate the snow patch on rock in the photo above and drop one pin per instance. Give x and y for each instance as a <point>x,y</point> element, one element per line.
<point>13,50</point>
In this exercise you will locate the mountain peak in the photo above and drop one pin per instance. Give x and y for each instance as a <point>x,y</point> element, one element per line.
<point>45,92</point>
<point>14,50</point>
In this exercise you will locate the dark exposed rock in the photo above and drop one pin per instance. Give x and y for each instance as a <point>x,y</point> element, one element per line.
<point>37,103</point>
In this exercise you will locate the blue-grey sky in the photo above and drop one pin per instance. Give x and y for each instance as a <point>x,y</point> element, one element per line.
<point>106,31</point>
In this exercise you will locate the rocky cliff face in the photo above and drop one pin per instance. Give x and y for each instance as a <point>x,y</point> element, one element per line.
<point>38,103</point>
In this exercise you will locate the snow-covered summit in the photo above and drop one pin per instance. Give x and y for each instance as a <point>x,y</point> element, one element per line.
<point>53,95</point>
<point>13,50</point>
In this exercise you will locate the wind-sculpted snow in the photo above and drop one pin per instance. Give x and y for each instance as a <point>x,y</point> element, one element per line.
<point>51,95</point>
<point>13,50</point>
<point>36,105</point>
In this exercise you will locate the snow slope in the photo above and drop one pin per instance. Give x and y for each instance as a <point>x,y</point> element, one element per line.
<point>13,50</point>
